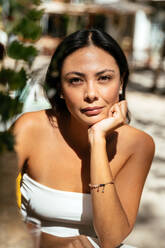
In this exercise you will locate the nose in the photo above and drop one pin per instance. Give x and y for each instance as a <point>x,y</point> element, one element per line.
<point>91,93</point>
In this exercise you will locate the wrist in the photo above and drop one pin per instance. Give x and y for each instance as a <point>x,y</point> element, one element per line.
<point>98,138</point>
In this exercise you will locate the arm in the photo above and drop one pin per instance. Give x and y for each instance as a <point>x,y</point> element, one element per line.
<point>50,241</point>
<point>115,210</point>
<point>24,132</point>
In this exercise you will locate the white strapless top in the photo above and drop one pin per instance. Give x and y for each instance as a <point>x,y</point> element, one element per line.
<point>62,213</point>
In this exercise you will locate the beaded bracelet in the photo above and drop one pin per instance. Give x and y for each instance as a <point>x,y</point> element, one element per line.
<point>97,186</point>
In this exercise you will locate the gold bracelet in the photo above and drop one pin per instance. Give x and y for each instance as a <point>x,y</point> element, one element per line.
<point>97,186</point>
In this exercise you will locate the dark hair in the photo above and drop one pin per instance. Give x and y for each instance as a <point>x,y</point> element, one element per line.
<point>70,44</point>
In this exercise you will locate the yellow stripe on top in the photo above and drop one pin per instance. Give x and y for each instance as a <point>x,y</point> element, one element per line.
<point>18,190</point>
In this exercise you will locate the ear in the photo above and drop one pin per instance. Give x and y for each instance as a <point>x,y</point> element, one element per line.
<point>121,83</point>
<point>61,96</point>
<point>121,87</point>
<point>61,93</point>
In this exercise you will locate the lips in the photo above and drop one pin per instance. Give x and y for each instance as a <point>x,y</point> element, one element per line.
<point>92,111</point>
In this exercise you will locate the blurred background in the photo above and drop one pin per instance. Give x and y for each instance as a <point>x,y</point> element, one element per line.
<point>139,27</point>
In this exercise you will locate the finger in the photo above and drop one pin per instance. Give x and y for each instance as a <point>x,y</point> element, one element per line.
<point>113,109</point>
<point>118,115</point>
<point>116,111</point>
<point>123,106</point>
<point>85,241</point>
<point>110,113</point>
<point>77,244</point>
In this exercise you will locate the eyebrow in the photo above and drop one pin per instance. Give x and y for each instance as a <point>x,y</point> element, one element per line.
<point>83,75</point>
<point>75,72</point>
<point>106,70</point>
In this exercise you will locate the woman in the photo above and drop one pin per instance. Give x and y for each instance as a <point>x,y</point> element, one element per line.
<point>85,166</point>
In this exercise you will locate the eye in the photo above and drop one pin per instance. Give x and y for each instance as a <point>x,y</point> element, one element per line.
<point>75,81</point>
<point>105,78</point>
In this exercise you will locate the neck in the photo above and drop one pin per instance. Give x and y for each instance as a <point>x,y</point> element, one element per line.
<point>76,134</point>
<point>79,133</point>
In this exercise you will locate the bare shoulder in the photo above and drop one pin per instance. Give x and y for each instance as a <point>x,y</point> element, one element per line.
<point>27,132</point>
<point>29,127</point>
<point>28,122</point>
<point>137,141</point>
<point>141,138</point>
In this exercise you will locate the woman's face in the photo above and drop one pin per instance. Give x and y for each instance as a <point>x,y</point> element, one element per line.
<point>90,81</point>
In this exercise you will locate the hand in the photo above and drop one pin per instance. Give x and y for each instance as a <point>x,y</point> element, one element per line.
<point>50,241</point>
<point>116,118</point>
<point>79,242</point>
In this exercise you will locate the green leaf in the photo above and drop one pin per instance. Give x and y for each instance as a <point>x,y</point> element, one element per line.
<point>28,29</point>
<point>5,75</point>
<point>21,17</point>
<point>9,107</point>
<point>35,15</point>
<point>7,141</point>
<point>36,2</point>
<point>29,2</point>
<point>17,50</point>
<point>15,80</point>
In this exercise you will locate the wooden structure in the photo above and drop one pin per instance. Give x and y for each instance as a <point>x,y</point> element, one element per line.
<point>124,7</point>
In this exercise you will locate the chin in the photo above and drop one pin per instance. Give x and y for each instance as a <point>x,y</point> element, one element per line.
<point>90,121</point>
<point>87,121</point>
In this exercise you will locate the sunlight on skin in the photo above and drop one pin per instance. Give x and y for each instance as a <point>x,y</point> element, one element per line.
<point>94,83</point>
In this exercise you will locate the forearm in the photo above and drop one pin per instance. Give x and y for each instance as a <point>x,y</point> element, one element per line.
<point>51,241</point>
<point>110,221</point>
